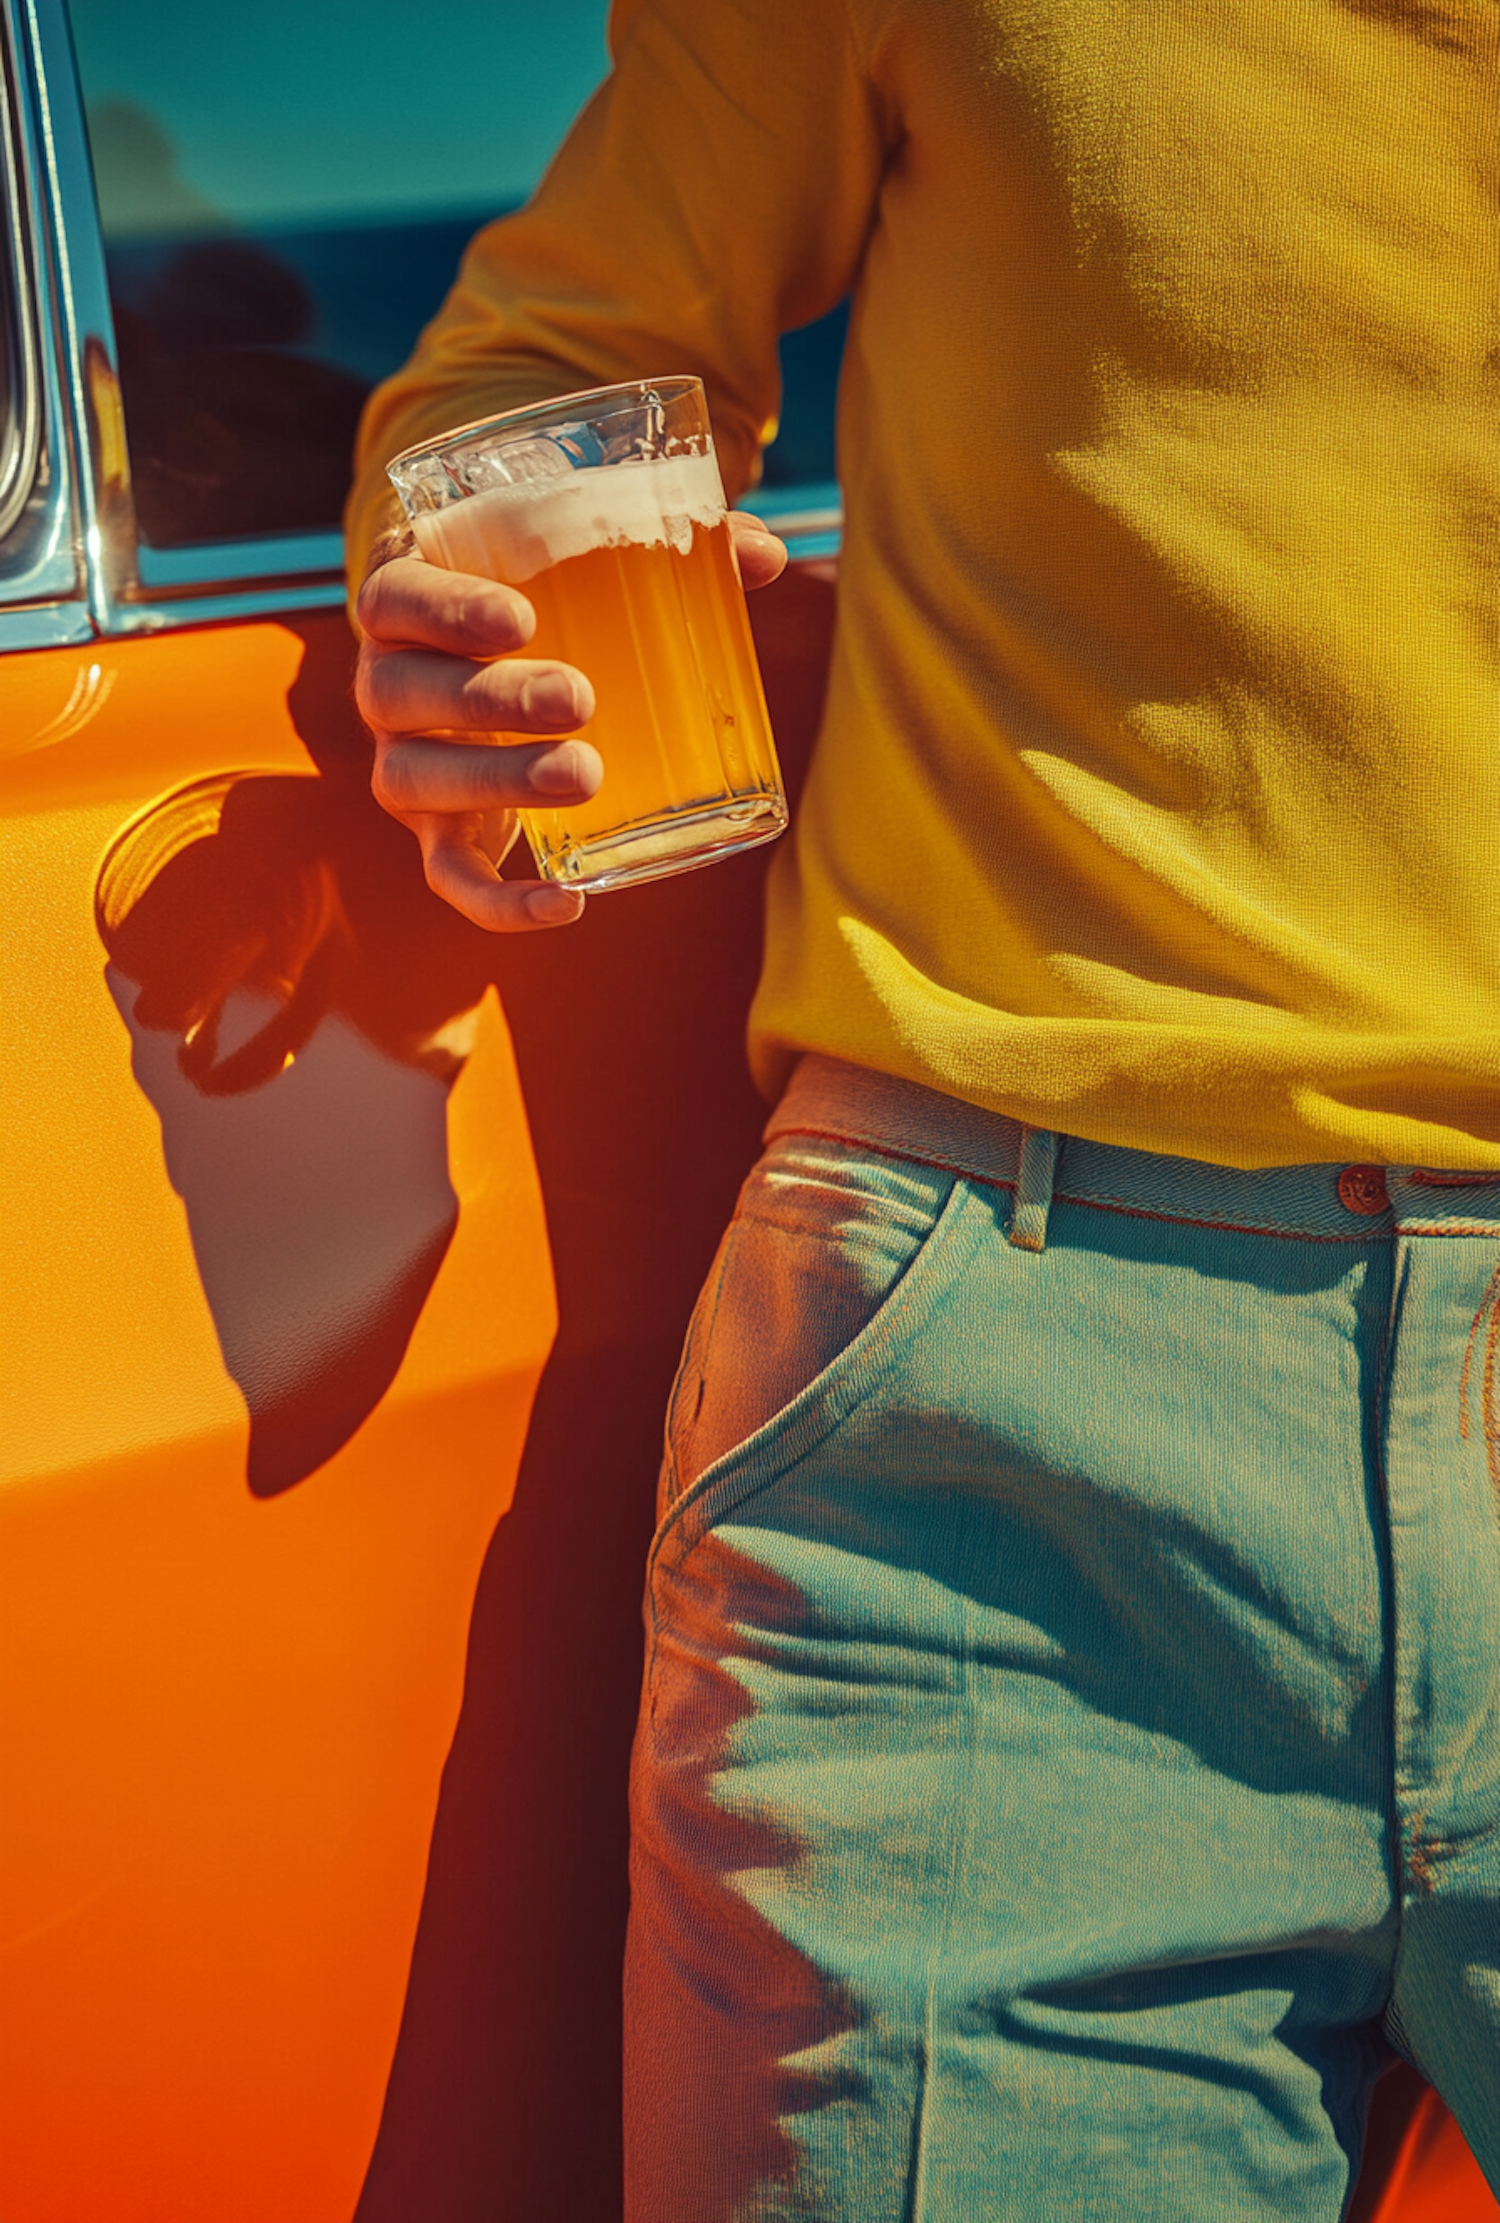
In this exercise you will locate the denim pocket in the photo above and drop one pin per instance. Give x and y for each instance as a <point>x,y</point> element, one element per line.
<point>824,1235</point>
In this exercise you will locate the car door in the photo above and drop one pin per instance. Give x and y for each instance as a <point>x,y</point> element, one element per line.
<point>267,1169</point>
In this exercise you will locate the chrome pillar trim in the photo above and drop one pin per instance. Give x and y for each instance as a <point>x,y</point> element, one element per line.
<point>84,320</point>
<point>21,435</point>
<point>40,545</point>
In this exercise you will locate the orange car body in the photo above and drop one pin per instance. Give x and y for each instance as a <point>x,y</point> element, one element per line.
<point>226,1715</point>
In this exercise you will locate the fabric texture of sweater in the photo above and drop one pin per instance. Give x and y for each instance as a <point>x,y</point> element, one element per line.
<point>1158,793</point>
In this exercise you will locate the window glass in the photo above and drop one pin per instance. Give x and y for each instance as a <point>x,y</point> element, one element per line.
<point>285,197</point>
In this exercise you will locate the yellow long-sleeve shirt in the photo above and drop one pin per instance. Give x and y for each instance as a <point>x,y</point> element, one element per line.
<point>1157,795</point>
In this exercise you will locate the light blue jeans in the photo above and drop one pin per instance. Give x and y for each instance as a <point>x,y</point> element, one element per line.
<point>1071,1746</point>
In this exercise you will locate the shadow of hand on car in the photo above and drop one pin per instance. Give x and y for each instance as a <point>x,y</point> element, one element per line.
<point>299,1006</point>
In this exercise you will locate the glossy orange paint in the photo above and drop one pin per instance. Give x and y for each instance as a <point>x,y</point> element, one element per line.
<point>227,1708</point>
<point>1435,2178</point>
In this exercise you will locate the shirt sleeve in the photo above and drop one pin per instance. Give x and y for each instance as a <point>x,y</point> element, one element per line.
<point>717,190</point>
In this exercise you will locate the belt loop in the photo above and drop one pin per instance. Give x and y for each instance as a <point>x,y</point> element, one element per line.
<point>1034,1176</point>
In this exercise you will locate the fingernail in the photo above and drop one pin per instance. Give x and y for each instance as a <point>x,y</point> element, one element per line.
<point>556,773</point>
<point>554,906</point>
<point>565,770</point>
<point>550,695</point>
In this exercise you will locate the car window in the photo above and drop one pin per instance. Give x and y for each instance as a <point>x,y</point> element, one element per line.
<point>282,213</point>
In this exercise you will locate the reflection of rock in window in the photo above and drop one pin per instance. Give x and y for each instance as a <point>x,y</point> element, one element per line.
<point>232,431</point>
<point>296,1002</point>
<point>135,173</point>
<point>234,427</point>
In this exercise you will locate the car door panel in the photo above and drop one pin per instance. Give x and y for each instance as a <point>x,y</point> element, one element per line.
<point>227,1708</point>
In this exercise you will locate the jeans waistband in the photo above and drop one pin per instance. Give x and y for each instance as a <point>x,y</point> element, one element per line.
<point>1334,1203</point>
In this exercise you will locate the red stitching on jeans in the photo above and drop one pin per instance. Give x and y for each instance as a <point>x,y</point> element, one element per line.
<point>1228,1227</point>
<point>1422,1853</point>
<point>1419,1867</point>
<point>1450,1227</point>
<point>1489,1304</point>
<point>1451,1180</point>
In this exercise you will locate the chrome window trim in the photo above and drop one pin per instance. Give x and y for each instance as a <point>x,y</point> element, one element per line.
<point>217,563</point>
<point>204,583</point>
<point>45,625</point>
<point>83,318</point>
<point>41,562</point>
<point>22,451</point>
<point>243,604</point>
<point>810,519</point>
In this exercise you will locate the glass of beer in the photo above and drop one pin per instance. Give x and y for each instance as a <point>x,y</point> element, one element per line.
<point>606,510</point>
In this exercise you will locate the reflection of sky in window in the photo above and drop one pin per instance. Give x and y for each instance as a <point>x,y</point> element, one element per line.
<point>325,109</point>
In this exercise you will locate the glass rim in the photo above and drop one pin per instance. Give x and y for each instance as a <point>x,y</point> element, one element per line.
<point>566,407</point>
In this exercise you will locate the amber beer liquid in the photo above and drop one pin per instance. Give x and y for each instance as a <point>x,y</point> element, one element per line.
<point>631,574</point>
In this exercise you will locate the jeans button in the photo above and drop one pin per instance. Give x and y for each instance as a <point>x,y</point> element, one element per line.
<point>1362,1189</point>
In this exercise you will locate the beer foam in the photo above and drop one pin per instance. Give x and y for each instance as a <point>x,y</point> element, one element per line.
<point>512,532</point>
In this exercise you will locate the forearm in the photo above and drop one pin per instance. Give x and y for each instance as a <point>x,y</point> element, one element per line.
<point>716,191</point>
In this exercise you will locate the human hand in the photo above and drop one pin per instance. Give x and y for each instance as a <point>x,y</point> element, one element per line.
<point>437,664</point>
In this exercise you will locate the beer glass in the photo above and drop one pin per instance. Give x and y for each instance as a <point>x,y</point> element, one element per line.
<point>606,510</point>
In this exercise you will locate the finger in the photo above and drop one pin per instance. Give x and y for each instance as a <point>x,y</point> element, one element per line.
<point>760,555</point>
<point>413,604</point>
<point>411,690</point>
<point>461,871</point>
<point>412,777</point>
